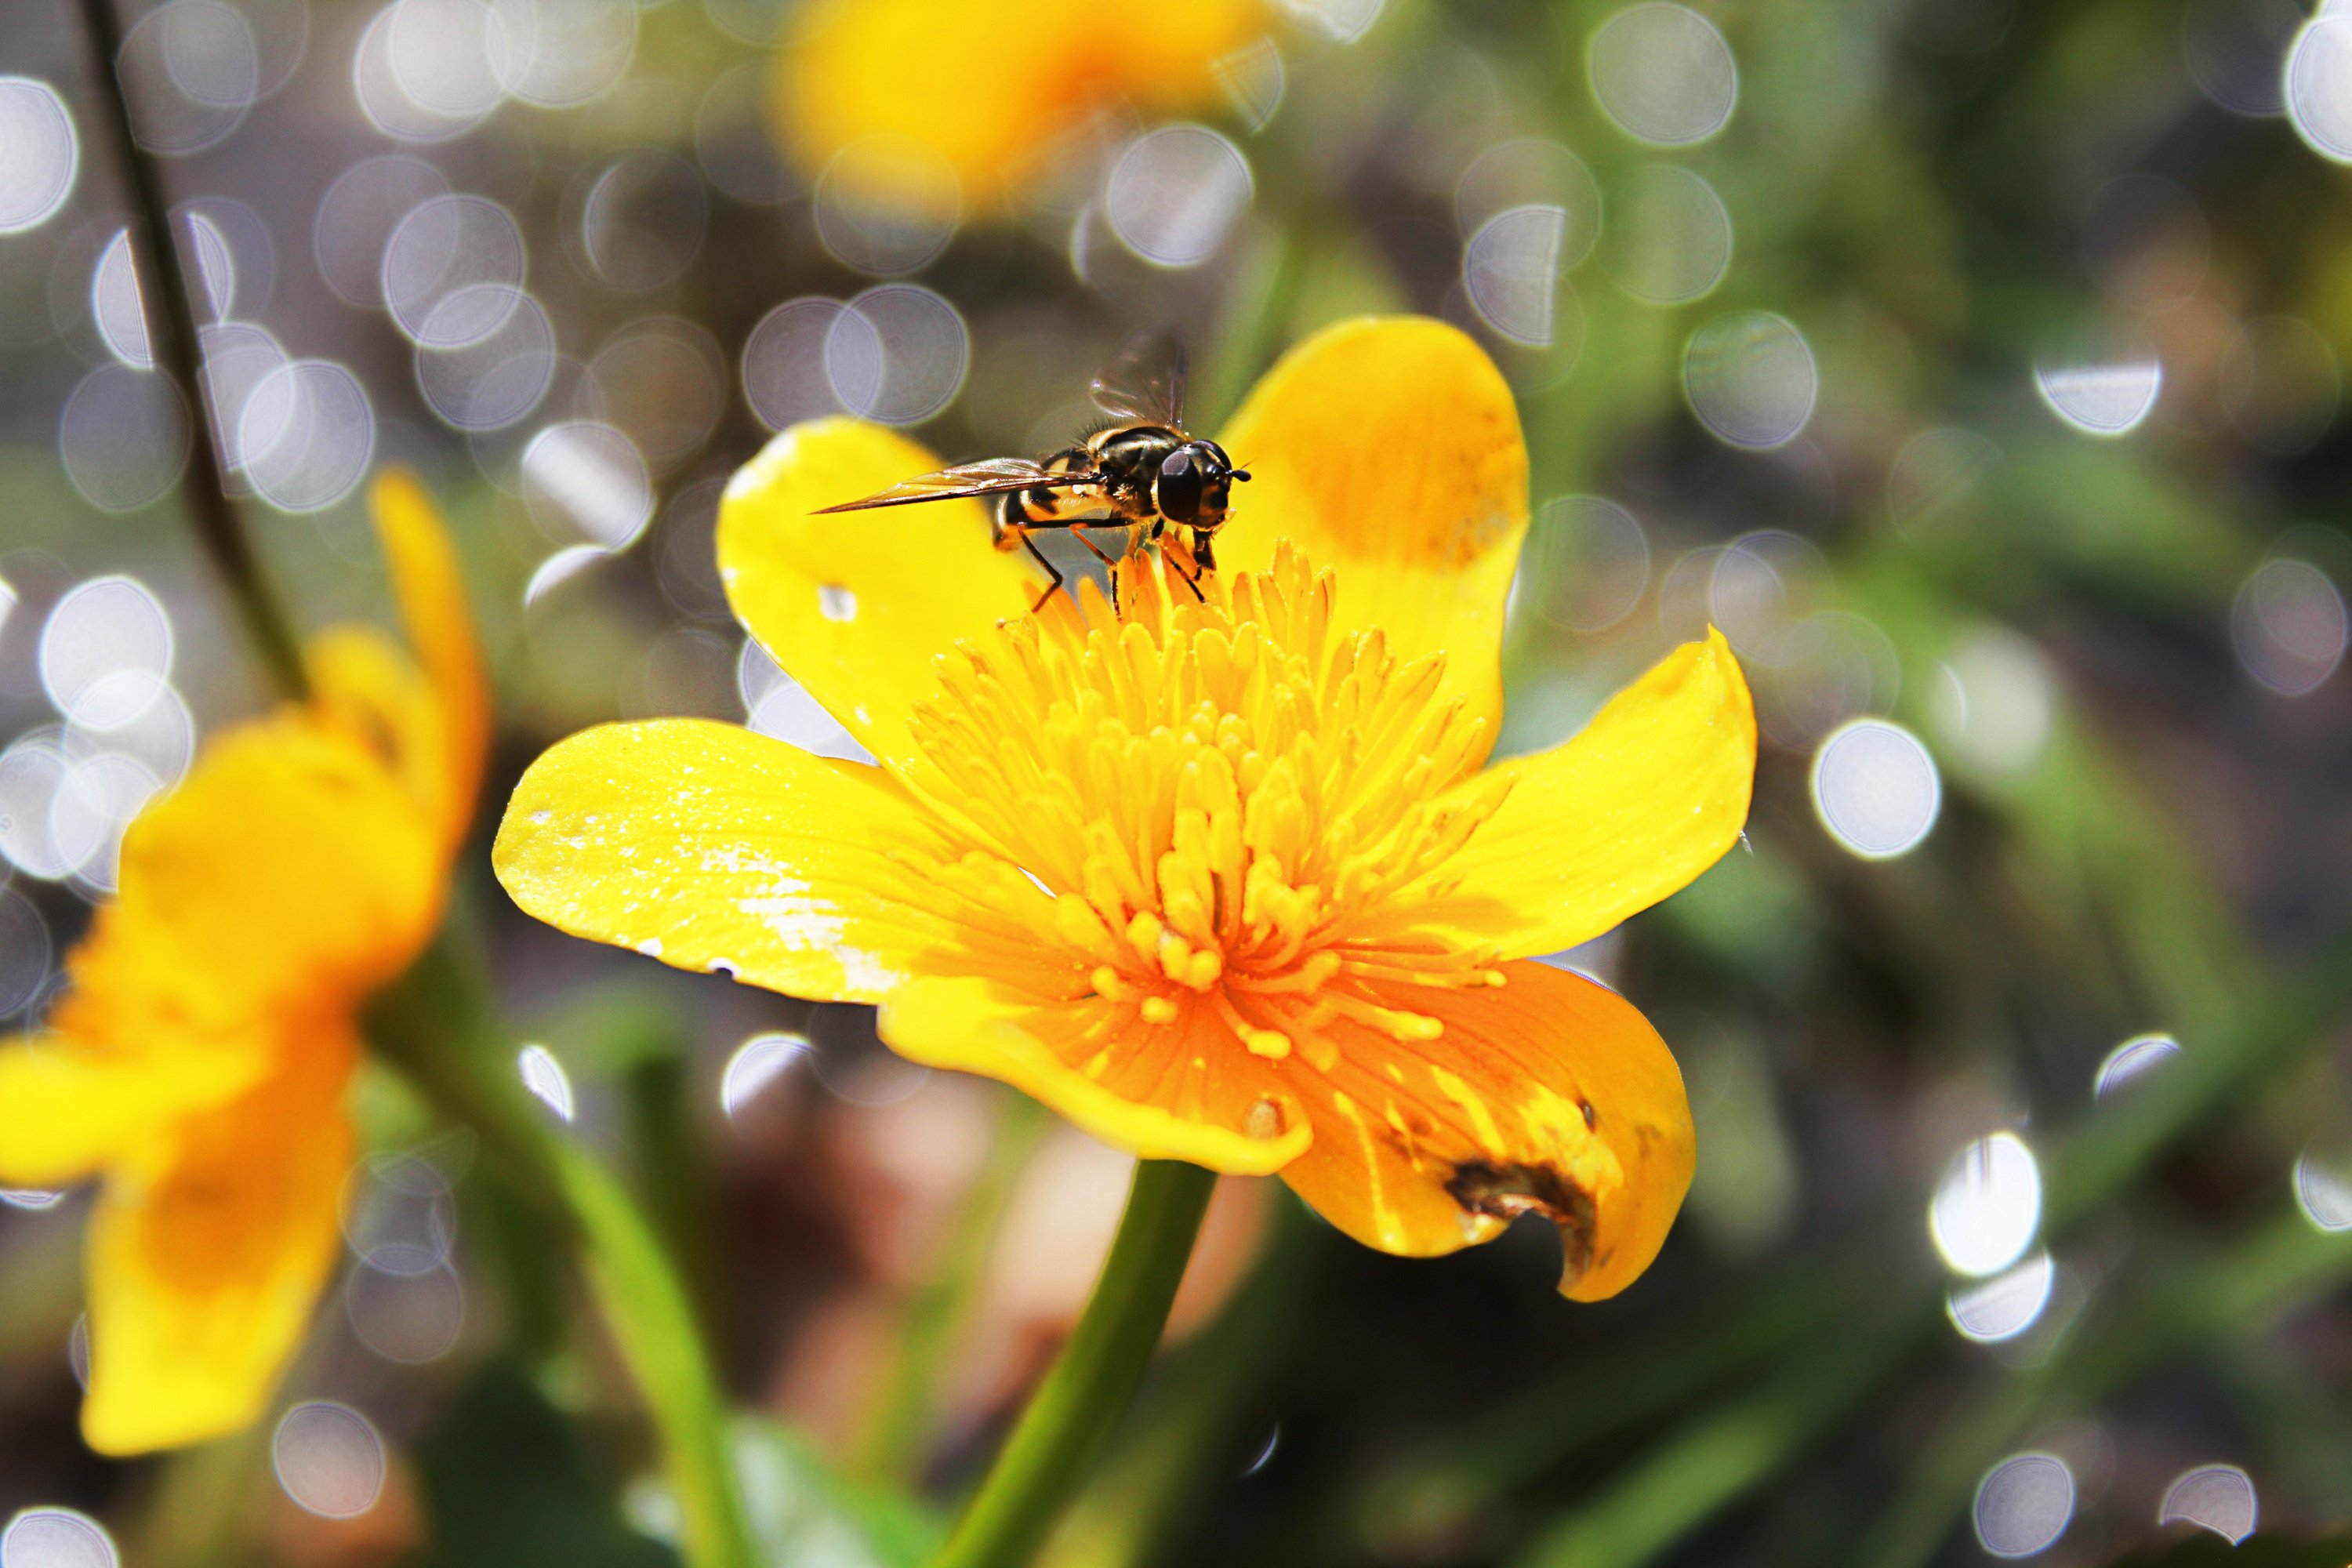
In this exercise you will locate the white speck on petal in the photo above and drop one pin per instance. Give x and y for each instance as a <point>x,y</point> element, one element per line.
<point>651,947</point>
<point>837,603</point>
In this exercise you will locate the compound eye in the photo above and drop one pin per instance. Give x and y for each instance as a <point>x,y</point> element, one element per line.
<point>1178,491</point>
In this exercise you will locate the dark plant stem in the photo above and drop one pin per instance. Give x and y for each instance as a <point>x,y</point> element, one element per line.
<point>176,347</point>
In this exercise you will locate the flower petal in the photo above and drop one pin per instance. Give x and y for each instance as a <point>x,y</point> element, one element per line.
<point>68,1107</point>
<point>1550,1094</point>
<point>1389,450</point>
<point>1607,823</point>
<point>431,589</point>
<point>208,1252</point>
<point>1648,796</point>
<point>711,847</point>
<point>1183,1090</point>
<point>288,867</point>
<point>983,90</point>
<point>856,605</point>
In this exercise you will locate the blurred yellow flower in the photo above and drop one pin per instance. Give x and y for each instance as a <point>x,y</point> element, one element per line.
<point>911,90</point>
<point>1226,882</point>
<point>199,1060</point>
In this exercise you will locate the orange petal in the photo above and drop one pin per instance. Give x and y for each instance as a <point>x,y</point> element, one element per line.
<point>1183,1091</point>
<point>939,98</point>
<point>1423,1147</point>
<point>711,847</point>
<point>1389,450</point>
<point>856,605</point>
<point>208,1252</point>
<point>1647,796</point>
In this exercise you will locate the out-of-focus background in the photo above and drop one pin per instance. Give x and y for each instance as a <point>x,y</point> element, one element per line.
<point>1976,365</point>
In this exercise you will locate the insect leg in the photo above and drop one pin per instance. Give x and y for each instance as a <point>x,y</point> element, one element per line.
<point>1192,579</point>
<point>1038,555</point>
<point>1078,532</point>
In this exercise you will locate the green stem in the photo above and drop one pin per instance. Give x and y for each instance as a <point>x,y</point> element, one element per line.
<point>1083,1398</point>
<point>899,1430</point>
<point>177,348</point>
<point>435,1028</point>
<point>653,1322</point>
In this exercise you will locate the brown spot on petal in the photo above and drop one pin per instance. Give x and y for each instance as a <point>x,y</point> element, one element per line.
<point>1508,1190</point>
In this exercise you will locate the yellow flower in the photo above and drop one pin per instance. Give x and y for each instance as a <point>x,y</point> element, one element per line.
<point>199,1061</point>
<point>1224,882</point>
<point>913,89</point>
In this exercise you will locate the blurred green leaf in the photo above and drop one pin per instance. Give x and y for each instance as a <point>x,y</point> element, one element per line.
<point>507,1479</point>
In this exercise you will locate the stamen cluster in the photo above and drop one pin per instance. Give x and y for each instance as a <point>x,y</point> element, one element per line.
<point>1225,804</point>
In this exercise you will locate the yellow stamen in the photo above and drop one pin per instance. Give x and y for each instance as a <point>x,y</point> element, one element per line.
<point>1231,796</point>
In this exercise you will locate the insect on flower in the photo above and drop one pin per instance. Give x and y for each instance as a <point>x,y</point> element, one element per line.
<point>1142,473</point>
<point>1227,879</point>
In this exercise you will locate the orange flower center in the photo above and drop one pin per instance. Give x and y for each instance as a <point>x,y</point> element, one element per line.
<point>1230,803</point>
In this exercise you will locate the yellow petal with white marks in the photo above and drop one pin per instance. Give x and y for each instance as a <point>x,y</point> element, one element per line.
<point>714,848</point>
<point>856,607</point>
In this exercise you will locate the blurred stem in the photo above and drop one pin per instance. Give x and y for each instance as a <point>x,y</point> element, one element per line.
<point>202,1512</point>
<point>666,1162</point>
<point>1714,1458</point>
<point>435,1025</point>
<point>934,1321</point>
<point>1073,1412</point>
<point>177,352</point>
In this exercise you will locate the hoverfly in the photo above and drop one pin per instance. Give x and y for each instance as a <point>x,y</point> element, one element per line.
<point>1141,472</point>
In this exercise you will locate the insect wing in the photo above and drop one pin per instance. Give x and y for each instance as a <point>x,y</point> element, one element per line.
<point>989,477</point>
<point>1145,382</point>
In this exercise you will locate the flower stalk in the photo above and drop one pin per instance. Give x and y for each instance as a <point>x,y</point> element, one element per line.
<point>433,1027</point>
<point>1075,1410</point>
<point>177,351</point>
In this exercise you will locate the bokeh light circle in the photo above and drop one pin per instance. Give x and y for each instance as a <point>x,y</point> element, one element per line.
<point>56,1538</point>
<point>585,483</point>
<point>2318,85</point>
<point>2289,625</point>
<point>896,354</point>
<point>1988,1206</point>
<point>328,1459</point>
<point>1875,788</point>
<point>40,153</point>
<point>2024,1504</point>
<point>106,652</point>
<point>1664,73</point>
<point>1751,379</point>
<point>306,435</point>
<point>888,205</point>
<point>1175,193</point>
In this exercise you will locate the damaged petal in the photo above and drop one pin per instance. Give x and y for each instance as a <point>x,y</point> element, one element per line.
<point>1504,1190</point>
